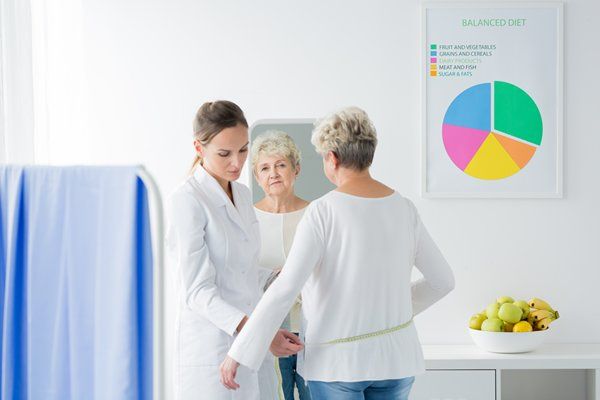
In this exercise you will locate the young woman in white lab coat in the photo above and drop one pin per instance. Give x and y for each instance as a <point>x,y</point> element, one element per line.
<point>215,237</point>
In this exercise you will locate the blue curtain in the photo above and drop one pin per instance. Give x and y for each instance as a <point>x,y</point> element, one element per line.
<point>75,284</point>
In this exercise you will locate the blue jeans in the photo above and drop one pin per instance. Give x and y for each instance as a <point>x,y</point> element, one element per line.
<point>290,377</point>
<point>393,389</point>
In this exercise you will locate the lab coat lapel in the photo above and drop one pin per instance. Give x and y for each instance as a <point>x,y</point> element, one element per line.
<point>234,211</point>
<point>218,196</point>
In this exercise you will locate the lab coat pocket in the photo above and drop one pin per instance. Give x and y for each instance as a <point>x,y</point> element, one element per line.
<point>202,344</point>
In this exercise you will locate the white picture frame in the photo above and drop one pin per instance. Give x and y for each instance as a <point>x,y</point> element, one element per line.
<point>450,184</point>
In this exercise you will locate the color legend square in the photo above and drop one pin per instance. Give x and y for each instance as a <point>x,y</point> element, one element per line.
<point>433,60</point>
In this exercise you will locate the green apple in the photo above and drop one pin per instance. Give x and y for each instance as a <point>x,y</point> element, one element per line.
<point>492,325</point>
<point>492,310</point>
<point>504,299</point>
<point>510,313</point>
<point>476,321</point>
<point>523,305</point>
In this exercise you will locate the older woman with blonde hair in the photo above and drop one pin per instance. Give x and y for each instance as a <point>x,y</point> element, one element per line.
<point>352,258</point>
<point>276,166</point>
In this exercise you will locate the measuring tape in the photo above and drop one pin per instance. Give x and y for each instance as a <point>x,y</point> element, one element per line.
<point>364,336</point>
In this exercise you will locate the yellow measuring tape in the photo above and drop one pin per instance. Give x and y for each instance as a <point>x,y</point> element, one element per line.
<point>365,336</point>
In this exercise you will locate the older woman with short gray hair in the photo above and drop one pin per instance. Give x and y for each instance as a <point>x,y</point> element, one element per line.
<point>352,259</point>
<point>350,134</point>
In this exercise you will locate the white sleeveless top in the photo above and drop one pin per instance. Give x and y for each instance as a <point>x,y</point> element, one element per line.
<point>277,231</point>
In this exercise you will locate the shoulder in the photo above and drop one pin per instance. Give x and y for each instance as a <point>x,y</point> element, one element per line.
<point>186,203</point>
<point>404,201</point>
<point>409,209</point>
<point>318,209</point>
<point>408,203</point>
<point>184,194</point>
<point>323,207</point>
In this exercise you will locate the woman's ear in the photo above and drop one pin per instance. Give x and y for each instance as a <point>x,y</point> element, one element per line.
<point>333,158</point>
<point>298,170</point>
<point>199,148</point>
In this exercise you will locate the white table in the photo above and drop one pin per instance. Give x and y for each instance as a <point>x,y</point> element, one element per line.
<point>467,372</point>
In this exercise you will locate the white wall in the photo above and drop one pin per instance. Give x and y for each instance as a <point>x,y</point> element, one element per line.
<point>150,64</point>
<point>16,91</point>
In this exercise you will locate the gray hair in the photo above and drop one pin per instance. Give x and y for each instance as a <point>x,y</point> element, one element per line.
<point>272,143</point>
<point>350,134</point>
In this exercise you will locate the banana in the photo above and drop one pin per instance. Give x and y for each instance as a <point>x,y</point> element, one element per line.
<point>530,319</point>
<point>539,315</point>
<point>539,304</point>
<point>543,324</point>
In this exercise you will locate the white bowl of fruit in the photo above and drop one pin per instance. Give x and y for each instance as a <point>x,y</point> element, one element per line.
<point>509,326</point>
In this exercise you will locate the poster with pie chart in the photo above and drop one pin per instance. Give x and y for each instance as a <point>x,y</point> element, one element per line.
<point>492,100</point>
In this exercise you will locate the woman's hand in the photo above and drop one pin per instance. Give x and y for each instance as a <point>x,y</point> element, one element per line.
<point>228,371</point>
<point>285,344</point>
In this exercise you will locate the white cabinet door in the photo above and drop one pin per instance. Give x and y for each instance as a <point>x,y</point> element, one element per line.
<point>455,385</point>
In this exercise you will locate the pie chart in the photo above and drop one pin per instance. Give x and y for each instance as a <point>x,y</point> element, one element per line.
<point>492,130</point>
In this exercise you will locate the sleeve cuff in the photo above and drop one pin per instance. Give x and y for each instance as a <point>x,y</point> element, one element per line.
<point>238,355</point>
<point>231,330</point>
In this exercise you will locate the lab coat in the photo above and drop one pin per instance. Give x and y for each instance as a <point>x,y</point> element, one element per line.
<point>216,246</point>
